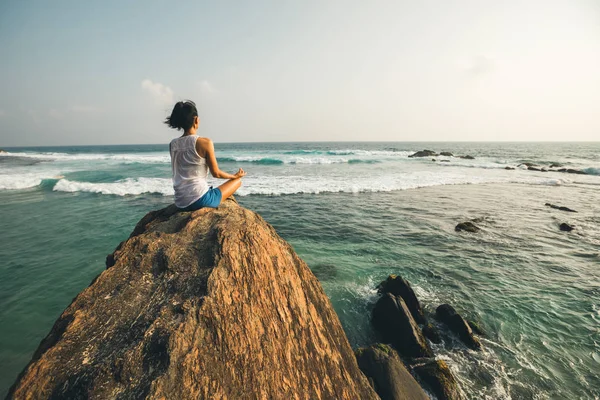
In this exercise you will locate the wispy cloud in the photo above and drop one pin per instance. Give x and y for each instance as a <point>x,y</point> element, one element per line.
<point>161,93</point>
<point>206,87</point>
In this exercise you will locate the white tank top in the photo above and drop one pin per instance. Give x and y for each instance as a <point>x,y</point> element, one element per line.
<point>189,171</point>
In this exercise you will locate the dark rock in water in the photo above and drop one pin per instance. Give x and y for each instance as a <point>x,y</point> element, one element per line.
<point>533,169</point>
<point>566,227</point>
<point>446,154</point>
<point>433,159</point>
<point>561,208</point>
<point>324,272</point>
<point>444,160</point>
<point>392,319</point>
<point>424,153</point>
<point>457,324</point>
<point>3,151</point>
<point>467,226</point>
<point>197,305</point>
<point>399,286</point>
<point>572,171</point>
<point>436,374</point>
<point>476,328</point>
<point>555,165</point>
<point>509,168</point>
<point>467,157</point>
<point>431,333</point>
<point>382,366</point>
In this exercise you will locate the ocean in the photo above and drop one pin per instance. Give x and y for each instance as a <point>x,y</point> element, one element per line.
<point>355,212</point>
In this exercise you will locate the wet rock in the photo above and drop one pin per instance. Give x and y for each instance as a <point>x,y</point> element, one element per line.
<point>392,319</point>
<point>561,208</point>
<point>555,165</point>
<point>399,286</point>
<point>572,171</point>
<point>384,368</point>
<point>467,227</point>
<point>424,153</point>
<point>467,157</point>
<point>437,376</point>
<point>431,333</point>
<point>533,169</point>
<point>3,151</point>
<point>566,227</point>
<point>197,305</point>
<point>528,164</point>
<point>433,159</point>
<point>457,324</point>
<point>444,160</point>
<point>509,168</point>
<point>476,327</point>
<point>446,154</point>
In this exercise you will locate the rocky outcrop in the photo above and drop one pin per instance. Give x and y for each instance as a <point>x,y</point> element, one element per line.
<point>457,324</point>
<point>399,286</point>
<point>386,372</point>
<point>205,305</point>
<point>561,208</point>
<point>393,320</point>
<point>446,154</point>
<point>437,376</point>
<point>424,153</point>
<point>467,157</point>
<point>467,227</point>
<point>566,227</point>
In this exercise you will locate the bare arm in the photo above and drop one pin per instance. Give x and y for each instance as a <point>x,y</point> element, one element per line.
<point>206,147</point>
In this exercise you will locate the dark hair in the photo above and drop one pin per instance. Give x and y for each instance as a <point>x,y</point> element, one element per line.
<point>182,116</point>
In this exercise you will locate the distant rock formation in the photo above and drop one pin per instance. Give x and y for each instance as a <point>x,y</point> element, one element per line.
<point>209,304</point>
<point>561,208</point>
<point>424,153</point>
<point>467,227</point>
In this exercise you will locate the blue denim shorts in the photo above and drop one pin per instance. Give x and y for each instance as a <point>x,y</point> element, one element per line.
<point>211,199</point>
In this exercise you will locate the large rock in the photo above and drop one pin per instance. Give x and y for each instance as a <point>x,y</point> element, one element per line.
<point>209,304</point>
<point>382,366</point>
<point>399,286</point>
<point>467,227</point>
<point>439,378</point>
<point>457,324</point>
<point>424,153</point>
<point>393,320</point>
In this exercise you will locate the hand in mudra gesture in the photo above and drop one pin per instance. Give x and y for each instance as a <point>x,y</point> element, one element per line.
<point>240,173</point>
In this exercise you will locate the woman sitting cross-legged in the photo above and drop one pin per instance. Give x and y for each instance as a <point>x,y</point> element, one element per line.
<point>191,159</point>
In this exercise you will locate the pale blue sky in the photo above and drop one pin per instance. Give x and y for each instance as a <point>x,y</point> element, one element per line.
<point>82,72</point>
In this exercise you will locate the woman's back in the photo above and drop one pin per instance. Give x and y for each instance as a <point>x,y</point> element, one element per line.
<point>189,171</point>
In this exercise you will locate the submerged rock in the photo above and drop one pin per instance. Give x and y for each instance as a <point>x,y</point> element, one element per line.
<point>382,366</point>
<point>204,304</point>
<point>399,286</point>
<point>566,227</point>
<point>446,154</point>
<point>424,153</point>
<point>572,171</point>
<point>467,226</point>
<point>509,168</point>
<point>431,333</point>
<point>393,320</point>
<point>457,324</point>
<point>437,375</point>
<point>476,327</point>
<point>561,208</point>
<point>556,165</point>
<point>467,157</point>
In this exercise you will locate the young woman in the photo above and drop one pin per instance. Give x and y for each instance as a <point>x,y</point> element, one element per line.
<point>191,159</point>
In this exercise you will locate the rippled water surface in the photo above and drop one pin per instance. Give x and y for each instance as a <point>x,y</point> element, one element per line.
<point>355,212</point>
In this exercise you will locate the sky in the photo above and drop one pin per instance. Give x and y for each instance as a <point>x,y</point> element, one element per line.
<point>91,72</point>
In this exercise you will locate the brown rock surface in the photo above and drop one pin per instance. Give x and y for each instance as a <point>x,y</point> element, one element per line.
<point>209,304</point>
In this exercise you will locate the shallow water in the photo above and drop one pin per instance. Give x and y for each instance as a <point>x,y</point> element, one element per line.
<point>533,288</point>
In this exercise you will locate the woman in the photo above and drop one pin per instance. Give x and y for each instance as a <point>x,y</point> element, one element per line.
<point>191,159</point>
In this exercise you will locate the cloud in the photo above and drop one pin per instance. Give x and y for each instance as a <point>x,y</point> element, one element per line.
<point>477,65</point>
<point>162,94</point>
<point>206,87</point>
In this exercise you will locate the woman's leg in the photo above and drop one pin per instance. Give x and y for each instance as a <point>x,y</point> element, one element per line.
<point>229,188</point>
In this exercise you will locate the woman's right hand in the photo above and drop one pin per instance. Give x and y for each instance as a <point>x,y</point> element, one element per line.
<point>240,173</point>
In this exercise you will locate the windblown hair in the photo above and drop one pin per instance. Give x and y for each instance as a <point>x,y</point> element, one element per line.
<point>182,116</point>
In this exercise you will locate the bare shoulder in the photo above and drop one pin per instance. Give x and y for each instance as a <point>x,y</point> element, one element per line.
<point>204,146</point>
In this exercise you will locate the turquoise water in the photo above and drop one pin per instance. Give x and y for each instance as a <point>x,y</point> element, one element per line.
<point>355,212</point>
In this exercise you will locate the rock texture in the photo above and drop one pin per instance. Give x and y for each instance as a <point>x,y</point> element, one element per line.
<point>205,305</point>
<point>424,153</point>
<point>393,320</point>
<point>437,375</point>
<point>399,286</point>
<point>457,324</point>
<point>467,227</point>
<point>381,364</point>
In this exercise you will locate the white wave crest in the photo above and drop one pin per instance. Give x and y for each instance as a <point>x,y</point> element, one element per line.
<point>129,186</point>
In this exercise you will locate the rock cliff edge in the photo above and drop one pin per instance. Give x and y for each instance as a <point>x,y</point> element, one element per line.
<point>209,304</point>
